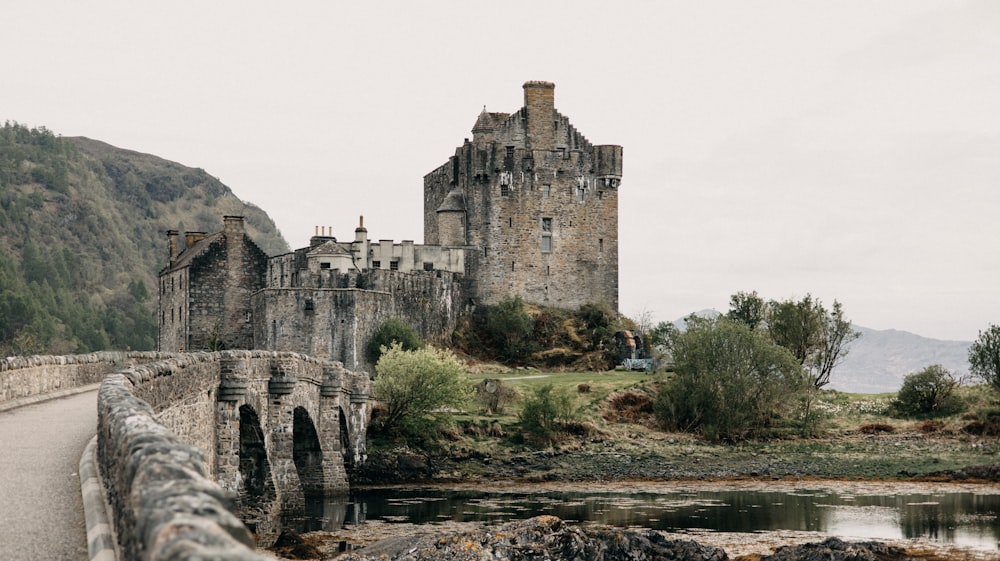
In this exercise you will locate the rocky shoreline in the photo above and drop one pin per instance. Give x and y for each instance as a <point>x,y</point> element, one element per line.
<point>887,464</point>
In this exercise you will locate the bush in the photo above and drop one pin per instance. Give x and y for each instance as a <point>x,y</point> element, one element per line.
<point>412,384</point>
<point>545,411</point>
<point>730,382</point>
<point>393,331</point>
<point>930,391</point>
<point>876,428</point>
<point>510,327</point>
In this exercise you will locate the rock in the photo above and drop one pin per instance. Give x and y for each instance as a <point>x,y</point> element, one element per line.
<point>542,537</point>
<point>836,549</point>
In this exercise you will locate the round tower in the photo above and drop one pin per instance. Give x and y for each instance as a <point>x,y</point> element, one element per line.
<point>451,219</point>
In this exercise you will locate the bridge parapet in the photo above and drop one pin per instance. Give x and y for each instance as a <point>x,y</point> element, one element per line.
<point>276,429</point>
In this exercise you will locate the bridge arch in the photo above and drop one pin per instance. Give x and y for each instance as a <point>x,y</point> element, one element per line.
<point>256,493</point>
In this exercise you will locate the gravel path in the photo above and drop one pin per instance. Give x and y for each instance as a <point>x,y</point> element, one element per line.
<point>41,509</point>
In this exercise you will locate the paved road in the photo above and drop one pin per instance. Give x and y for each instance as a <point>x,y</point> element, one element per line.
<point>41,509</point>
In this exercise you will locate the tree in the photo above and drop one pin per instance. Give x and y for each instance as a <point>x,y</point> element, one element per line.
<point>928,391</point>
<point>836,334</point>
<point>510,326</point>
<point>984,356</point>
<point>730,381</point>
<point>748,308</point>
<point>391,331</point>
<point>816,337</point>
<point>411,384</point>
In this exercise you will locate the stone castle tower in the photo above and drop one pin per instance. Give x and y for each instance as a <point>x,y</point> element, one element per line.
<point>535,202</point>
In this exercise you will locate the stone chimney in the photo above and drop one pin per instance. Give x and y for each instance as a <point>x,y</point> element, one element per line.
<point>539,102</point>
<point>172,245</point>
<point>191,238</point>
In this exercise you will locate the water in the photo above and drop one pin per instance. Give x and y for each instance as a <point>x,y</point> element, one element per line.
<point>959,518</point>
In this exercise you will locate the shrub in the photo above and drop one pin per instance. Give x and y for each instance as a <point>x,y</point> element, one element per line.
<point>412,384</point>
<point>393,330</point>
<point>876,428</point>
<point>930,391</point>
<point>629,407</point>
<point>510,327</point>
<point>730,381</point>
<point>543,412</point>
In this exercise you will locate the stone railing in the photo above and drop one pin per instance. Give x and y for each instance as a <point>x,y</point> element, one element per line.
<point>163,501</point>
<point>163,505</point>
<point>26,377</point>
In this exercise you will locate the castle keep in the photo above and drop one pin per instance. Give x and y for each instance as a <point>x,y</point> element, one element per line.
<point>536,202</point>
<point>528,207</point>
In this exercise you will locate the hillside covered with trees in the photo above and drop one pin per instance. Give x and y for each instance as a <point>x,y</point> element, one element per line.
<point>82,237</point>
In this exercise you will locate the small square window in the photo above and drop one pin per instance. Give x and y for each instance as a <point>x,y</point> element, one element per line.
<point>546,224</point>
<point>324,265</point>
<point>394,265</point>
<point>376,264</point>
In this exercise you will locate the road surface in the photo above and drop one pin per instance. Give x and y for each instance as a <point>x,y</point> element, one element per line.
<point>41,509</point>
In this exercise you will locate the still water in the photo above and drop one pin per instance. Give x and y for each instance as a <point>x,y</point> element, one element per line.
<point>960,518</point>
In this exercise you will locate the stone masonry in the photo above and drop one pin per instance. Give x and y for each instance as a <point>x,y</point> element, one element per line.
<point>528,207</point>
<point>187,442</point>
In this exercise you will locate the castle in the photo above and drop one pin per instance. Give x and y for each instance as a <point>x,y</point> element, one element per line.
<point>528,207</point>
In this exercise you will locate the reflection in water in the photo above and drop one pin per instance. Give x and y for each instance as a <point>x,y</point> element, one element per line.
<point>963,519</point>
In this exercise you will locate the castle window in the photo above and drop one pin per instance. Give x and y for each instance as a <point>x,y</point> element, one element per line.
<point>600,245</point>
<point>547,225</point>
<point>600,195</point>
<point>504,190</point>
<point>510,222</point>
<point>310,306</point>
<point>324,265</point>
<point>579,194</point>
<point>546,243</point>
<point>546,190</point>
<point>376,264</point>
<point>428,266</point>
<point>394,265</point>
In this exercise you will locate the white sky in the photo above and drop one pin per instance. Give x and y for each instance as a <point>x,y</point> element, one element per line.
<point>847,149</point>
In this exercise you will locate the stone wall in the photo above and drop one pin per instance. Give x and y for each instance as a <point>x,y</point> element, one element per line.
<point>164,505</point>
<point>169,430</point>
<point>30,376</point>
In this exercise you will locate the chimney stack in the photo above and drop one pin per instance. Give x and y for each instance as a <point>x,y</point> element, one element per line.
<point>172,245</point>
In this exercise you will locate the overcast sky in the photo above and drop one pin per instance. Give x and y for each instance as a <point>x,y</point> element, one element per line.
<point>847,149</point>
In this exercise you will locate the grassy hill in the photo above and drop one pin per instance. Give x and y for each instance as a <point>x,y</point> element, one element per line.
<point>82,237</point>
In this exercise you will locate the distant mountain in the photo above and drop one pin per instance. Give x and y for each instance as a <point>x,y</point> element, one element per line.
<point>82,237</point>
<point>878,361</point>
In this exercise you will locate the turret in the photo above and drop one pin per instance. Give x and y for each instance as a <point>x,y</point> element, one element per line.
<point>451,219</point>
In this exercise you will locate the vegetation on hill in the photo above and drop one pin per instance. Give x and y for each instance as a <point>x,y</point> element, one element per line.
<point>516,333</point>
<point>82,238</point>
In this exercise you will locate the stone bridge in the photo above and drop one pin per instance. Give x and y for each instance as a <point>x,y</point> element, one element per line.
<point>204,454</point>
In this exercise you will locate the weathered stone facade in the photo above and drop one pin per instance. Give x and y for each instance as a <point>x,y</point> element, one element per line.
<point>529,207</point>
<point>205,290</point>
<point>540,206</point>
